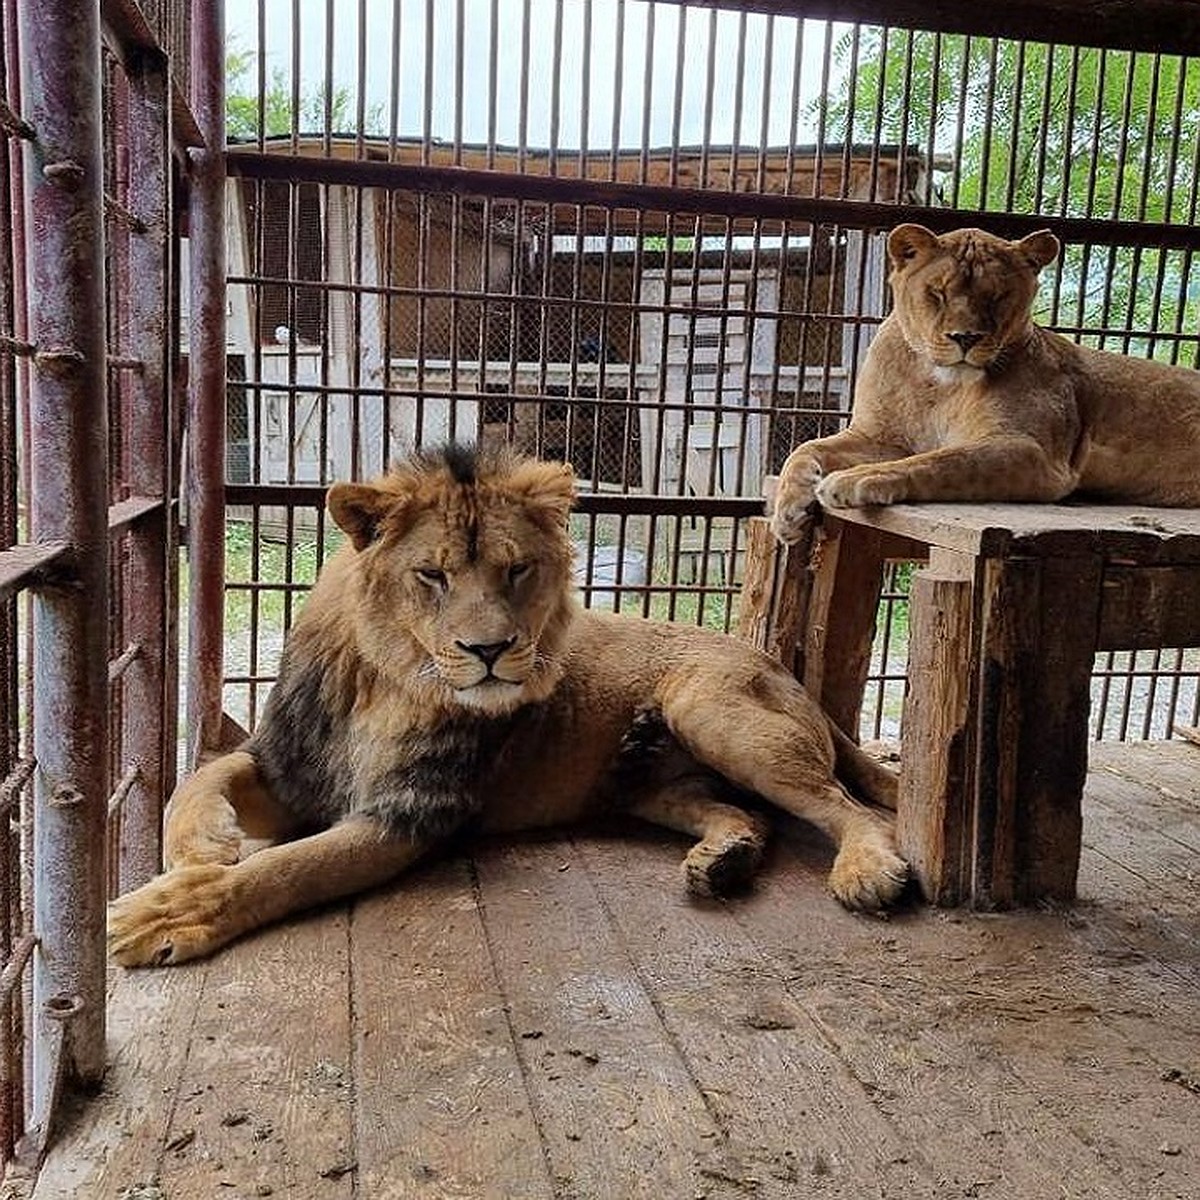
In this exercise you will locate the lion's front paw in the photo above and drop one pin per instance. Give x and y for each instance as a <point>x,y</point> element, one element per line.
<point>868,874</point>
<point>859,487</point>
<point>180,915</point>
<point>795,501</point>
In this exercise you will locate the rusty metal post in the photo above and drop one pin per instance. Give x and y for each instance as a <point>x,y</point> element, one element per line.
<point>206,385</point>
<point>12,918</point>
<point>148,713</point>
<point>60,60</point>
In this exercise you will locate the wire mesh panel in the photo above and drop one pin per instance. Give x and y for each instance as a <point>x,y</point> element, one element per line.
<point>648,239</point>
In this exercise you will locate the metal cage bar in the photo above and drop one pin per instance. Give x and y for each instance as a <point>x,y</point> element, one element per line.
<point>60,59</point>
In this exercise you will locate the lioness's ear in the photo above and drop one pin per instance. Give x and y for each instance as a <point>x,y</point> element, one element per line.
<point>358,508</point>
<point>1040,248</point>
<point>907,242</point>
<point>545,485</point>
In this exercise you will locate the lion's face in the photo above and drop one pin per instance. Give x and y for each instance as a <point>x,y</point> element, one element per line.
<point>464,570</point>
<point>964,299</point>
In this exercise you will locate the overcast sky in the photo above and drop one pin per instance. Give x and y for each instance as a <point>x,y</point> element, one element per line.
<point>429,66</point>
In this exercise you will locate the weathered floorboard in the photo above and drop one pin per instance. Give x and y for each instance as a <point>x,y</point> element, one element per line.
<point>791,1112</point>
<point>916,1006</point>
<point>118,1139</point>
<point>555,1020</point>
<point>265,1098</point>
<point>619,1111</point>
<point>442,1110</point>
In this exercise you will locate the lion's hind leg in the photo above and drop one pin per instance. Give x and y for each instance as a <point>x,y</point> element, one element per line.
<point>732,840</point>
<point>216,810</point>
<point>760,730</point>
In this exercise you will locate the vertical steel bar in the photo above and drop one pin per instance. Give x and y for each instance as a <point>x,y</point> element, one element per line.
<point>147,708</point>
<point>13,919</point>
<point>68,501</point>
<point>206,384</point>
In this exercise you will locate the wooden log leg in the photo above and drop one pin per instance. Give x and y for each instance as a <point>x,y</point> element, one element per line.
<point>848,562</point>
<point>1038,628</point>
<point>776,583</point>
<point>934,826</point>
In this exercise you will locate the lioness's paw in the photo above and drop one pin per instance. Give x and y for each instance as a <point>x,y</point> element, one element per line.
<point>180,915</point>
<point>795,499</point>
<point>859,487</point>
<point>868,874</point>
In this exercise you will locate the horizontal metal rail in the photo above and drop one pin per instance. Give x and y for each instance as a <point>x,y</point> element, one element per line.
<point>27,565</point>
<point>11,345</point>
<point>11,972</point>
<point>13,123</point>
<point>123,788</point>
<point>117,211</point>
<point>1163,26</point>
<point>119,665</point>
<point>629,504</point>
<point>757,207</point>
<point>129,512</point>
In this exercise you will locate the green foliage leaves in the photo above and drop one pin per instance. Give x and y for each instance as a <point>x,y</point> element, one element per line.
<point>1024,127</point>
<point>284,110</point>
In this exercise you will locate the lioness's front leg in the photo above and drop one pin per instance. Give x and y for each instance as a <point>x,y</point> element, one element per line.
<point>1000,469</point>
<point>805,469</point>
<point>194,910</point>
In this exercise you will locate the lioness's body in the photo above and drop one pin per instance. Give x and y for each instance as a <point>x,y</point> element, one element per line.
<point>963,398</point>
<point>442,677</point>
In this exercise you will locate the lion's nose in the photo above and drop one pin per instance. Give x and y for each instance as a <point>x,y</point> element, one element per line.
<point>486,652</point>
<point>964,341</point>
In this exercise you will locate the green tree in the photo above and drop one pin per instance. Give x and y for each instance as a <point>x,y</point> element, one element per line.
<point>283,113</point>
<point>1049,130</point>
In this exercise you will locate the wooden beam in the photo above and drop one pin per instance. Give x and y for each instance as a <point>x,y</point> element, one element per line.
<point>848,565</point>
<point>1148,608</point>
<point>1037,636</point>
<point>934,821</point>
<point>776,584</point>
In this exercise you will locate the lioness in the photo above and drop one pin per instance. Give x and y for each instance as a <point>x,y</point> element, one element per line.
<point>962,397</point>
<point>442,676</point>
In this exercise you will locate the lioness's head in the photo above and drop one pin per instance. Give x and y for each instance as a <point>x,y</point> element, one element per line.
<point>963,299</point>
<point>461,573</point>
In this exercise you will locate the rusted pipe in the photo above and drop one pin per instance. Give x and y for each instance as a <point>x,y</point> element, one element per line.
<point>68,498</point>
<point>148,714</point>
<point>206,385</point>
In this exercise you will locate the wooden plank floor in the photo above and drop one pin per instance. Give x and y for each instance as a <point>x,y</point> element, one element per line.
<point>554,1018</point>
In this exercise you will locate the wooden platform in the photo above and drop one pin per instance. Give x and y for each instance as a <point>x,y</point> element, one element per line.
<point>555,1019</point>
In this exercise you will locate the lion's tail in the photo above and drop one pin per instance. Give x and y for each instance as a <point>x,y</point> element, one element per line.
<point>867,777</point>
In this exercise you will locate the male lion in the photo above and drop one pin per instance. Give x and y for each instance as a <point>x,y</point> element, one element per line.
<point>442,677</point>
<point>963,398</point>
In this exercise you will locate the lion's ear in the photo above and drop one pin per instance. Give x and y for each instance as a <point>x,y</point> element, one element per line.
<point>1040,248</point>
<point>908,242</point>
<point>358,508</point>
<point>545,485</point>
